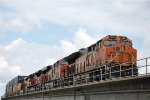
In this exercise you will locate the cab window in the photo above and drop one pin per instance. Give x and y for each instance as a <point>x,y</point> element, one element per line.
<point>108,43</point>
<point>99,44</point>
<point>127,43</point>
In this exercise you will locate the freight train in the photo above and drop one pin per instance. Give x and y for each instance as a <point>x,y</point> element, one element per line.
<point>110,57</point>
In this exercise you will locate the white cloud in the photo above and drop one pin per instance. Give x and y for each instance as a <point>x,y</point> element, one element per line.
<point>101,16</point>
<point>22,57</point>
<point>3,64</point>
<point>125,7</point>
<point>144,50</point>
<point>50,61</point>
<point>19,25</point>
<point>5,69</point>
<point>83,39</point>
<point>2,85</point>
<point>67,47</point>
<point>15,44</point>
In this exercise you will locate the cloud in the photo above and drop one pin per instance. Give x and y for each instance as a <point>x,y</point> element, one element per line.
<point>3,64</point>
<point>5,69</point>
<point>82,39</point>
<point>2,84</point>
<point>144,50</point>
<point>20,57</point>
<point>67,46</point>
<point>14,44</point>
<point>113,16</point>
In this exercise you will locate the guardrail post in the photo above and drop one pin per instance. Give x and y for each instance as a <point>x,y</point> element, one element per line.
<point>146,66</point>
<point>73,80</point>
<point>86,78</point>
<point>132,68</point>
<point>110,72</point>
<point>120,70</point>
<point>101,74</point>
<point>105,72</point>
<point>93,76</point>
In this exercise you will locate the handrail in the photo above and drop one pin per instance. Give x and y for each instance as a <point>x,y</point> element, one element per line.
<point>99,74</point>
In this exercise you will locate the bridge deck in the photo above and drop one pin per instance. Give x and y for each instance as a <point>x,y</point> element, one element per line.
<point>129,85</point>
<point>108,88</point>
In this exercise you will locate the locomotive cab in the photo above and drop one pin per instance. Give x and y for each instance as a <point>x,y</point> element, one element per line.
<point>117,50</point>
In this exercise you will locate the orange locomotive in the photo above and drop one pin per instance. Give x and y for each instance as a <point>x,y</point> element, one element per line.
<point>116,52</point>
<point>110,51</point>
<point>116,49</point>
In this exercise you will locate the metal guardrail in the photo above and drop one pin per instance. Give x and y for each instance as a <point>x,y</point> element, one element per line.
<point>101,73</point>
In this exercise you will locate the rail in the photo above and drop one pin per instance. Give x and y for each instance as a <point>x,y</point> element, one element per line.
<point>99,74</point>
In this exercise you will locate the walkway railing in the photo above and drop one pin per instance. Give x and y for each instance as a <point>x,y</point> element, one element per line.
<point>143,66</point>
<point>99,74</point>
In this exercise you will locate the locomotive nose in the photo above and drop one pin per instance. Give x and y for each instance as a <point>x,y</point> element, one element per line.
<point>125,53</point>
<point>120,48</point>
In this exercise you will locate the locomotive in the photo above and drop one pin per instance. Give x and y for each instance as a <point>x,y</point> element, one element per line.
<point>110,55</point>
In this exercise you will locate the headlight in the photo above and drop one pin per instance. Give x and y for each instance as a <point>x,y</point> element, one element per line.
<point>122,48</point>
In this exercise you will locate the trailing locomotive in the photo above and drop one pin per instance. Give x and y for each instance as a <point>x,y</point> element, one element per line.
<point>111,55</point>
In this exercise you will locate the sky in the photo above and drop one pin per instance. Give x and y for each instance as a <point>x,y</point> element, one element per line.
<point>36,33</point>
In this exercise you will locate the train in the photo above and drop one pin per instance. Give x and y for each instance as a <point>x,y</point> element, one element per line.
<point>110,57</point>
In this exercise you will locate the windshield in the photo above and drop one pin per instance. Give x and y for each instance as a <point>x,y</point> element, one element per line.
<point>110,43</point>
<point>127,43</point>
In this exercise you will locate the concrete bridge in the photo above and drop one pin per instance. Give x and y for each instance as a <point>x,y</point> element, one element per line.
<point>128,88</point>
<point>135,87</point>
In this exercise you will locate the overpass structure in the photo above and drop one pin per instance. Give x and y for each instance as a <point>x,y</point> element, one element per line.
<point>134,87</point>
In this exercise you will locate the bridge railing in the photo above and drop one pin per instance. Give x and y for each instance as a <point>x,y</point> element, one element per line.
<point>99,74</point>
<point>143,66</point>
<point>138,68</point>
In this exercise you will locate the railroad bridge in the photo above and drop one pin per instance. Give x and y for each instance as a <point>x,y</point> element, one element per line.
<point>135,87</point>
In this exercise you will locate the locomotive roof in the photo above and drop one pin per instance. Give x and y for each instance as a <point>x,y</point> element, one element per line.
<point>108,36</point>
<point>46,68</point>
<point>37,72</point>
<point>15,80</point>
<point>72,56</point>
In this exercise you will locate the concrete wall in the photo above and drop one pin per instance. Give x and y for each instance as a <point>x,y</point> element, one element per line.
<point>109,96</point>
<point>133,89</point>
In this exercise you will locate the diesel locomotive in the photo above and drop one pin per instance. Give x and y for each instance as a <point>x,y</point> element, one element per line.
<point>113,55</point>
